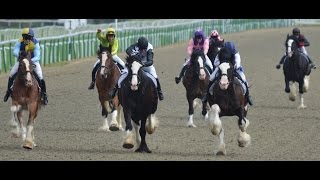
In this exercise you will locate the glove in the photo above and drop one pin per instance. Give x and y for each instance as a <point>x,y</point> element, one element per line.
<point>99,30</point>
<point>301,43</point>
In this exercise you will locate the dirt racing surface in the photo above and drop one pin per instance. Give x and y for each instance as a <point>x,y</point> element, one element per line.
<point>67,128</point>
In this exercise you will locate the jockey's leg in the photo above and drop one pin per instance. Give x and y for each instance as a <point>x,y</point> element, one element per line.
<point>44,91</point>
<point>12,76</point>
<point>42,83</point>
<point>183,70</point>
<point>93,74</point>
<point>9,90</point>
<point>213,78</point>
<point>281,61</point>
<point>159,90</point>
<point>240,75</point>
<point>209,64</point>
<point>303,49</point>
<point>113,92</point>
<point>119,61</point>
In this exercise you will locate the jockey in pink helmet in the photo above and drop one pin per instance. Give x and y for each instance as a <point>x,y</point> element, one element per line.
<point>199,41</point>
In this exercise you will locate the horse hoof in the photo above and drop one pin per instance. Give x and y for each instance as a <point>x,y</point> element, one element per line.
<point>28,145</point>
<point>221,153</point>
<point>127,146</point>
<point>287,90</point>
<point>103,128</point>
<point>113,128</point>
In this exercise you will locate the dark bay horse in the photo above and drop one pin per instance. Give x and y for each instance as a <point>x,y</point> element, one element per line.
<point>227,99</point>
<point>25,97</point>
<point>296,69</point>
<point>195,81</point>
<point>106,78</point>
<point>139,99</point>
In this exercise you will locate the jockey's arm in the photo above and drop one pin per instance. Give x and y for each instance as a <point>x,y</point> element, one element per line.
<point>100,36</point>
<point>130,50</point>
<point>149,58</point>
<point>206,46</point>
<point>216,61</point>
<point>306,42</point>
<point>190,47</point>
<point>36,53</point>
<point>237,60</point>
<point>16,49</point>
<point>115,47</point>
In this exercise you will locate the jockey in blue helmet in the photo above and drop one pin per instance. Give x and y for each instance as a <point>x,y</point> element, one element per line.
<point>236,60</point>
<point>28,43</point>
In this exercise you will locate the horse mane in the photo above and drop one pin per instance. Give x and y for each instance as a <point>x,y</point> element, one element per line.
<point>225,55</point>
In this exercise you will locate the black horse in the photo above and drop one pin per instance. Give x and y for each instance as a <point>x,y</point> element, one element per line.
<point>196,82</point>
<point>227,99</point>
<point>296,69</point>
<point>139,99</point>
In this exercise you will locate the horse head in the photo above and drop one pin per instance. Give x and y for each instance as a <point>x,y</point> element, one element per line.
<point>25,68</point>
<point>292,48</point>
<point>134,65</point>
<point>106,63</point>
<point>197,63</point>
<point>225,68</point>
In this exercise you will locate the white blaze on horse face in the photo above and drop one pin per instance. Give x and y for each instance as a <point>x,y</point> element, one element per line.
<point>202,74</point>
<point>28,76</point>
<point>134,81</point>
<point>103,62</point>
<point>224,82</point>
<point>289,43</point>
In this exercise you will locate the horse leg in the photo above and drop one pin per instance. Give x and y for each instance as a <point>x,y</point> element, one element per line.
<point>105,125</point>
<point>306,83</point>
<point>136,128</point>
<point>114,123</point>
<point>293,91</point>
<point>152,123</point>
<point>215,127</point>
<point>119,118</point>
<point>12,122</point>
<point>287,89</point>
<point>191,111</point>
<point>243,138</point>
<point>204,110</point>
<point>29,141</point>
<point>301,106</point>
<point>128,142</point>
<point>143,145</point>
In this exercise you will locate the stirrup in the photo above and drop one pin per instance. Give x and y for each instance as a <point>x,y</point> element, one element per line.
<point>160,94</point>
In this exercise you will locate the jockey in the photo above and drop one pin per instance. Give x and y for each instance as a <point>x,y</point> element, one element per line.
<point>110,43</point>
<point>215,39</point>
<point>302,42</point>
<point>231,49</point>
<point>28,43</point>
<point>145,50</point>
<point>199,41</point>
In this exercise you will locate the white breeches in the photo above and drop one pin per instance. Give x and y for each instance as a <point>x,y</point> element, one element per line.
<point>37,69</point>
<point>208,62</point>
<point>150,69</point>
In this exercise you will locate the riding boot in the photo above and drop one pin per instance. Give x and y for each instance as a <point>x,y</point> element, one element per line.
<point>205,97</point>
<point>93,76</point>
<point>183,70</point>
<point>44,92</point>
<point>247,95</point>
<point>281,62</point>
<point>113,92</point>
<point>160,94</point>
<point>311,63</point>
<point>9,90</point>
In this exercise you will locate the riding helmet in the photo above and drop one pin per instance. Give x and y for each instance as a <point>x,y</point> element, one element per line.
<point>142,43</point>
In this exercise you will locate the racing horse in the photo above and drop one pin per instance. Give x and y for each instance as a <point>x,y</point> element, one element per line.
<point>139,99</point>
<point>227,98</point>
<point>25,97</point>
<point>296,69</point>
<point>106,78</point>
<point>195,81</point>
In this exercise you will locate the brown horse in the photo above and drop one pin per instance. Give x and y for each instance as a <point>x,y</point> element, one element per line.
<point>226,98</point>
<point>196,81</point>
<point>106,78</point>
<point>25,96</point>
